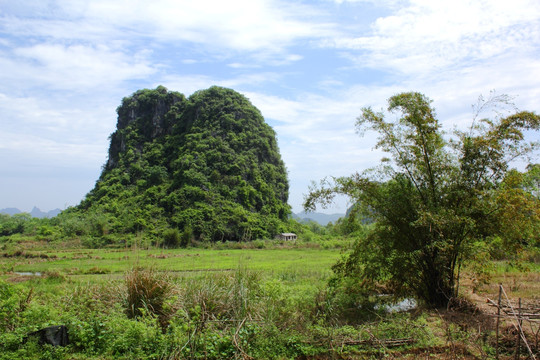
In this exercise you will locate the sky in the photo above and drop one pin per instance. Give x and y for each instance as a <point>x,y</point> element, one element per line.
<point>308,66</point>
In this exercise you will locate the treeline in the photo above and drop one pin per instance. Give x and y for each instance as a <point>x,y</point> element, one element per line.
<point>90,231</point>
<point>24,223</point>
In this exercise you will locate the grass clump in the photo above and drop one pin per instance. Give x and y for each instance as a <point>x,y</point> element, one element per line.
<point>147,291</point>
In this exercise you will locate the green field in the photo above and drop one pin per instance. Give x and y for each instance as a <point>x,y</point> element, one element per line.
<point>316,262</point>
<point>222,303</point>
<point>270,292</point>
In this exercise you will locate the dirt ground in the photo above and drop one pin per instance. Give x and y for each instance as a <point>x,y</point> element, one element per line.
<point>469,326</point>
<point>477,316</point>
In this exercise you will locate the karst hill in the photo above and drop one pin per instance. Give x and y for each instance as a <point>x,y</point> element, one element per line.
<point>207,166</point>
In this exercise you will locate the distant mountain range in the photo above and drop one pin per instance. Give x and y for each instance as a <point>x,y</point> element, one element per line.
<point>320,218</point>
<point>35,212</point>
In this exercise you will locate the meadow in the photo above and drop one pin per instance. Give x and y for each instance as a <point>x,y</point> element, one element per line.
<point>226,301</point>
<point>88,261</point>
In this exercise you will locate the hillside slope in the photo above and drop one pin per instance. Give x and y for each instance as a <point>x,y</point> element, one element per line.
<point>207,165</point>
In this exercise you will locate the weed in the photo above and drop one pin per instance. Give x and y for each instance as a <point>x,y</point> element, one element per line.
<point>14,301</point>
<point>222,296</point>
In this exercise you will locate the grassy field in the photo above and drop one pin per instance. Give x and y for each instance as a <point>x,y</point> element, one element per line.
<point>86,261</point>
<point>224,302</point>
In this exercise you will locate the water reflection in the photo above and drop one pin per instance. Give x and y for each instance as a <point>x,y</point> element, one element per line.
<point>23,273</point>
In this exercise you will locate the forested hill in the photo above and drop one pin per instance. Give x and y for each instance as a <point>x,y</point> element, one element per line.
<point>208,166</point>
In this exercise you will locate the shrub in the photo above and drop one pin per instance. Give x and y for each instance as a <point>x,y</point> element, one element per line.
<point>187,237</point>
<point>171,238</point>
<point>13,302</point>
<point>142,339</point>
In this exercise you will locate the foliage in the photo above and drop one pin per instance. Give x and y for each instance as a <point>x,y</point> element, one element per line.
<point>518,210</point>
<point>434,198</point>
<point>208,166</point>
<point>531,180</point>
<point>19,224</point>
<point>13,302</point>
<point>172,238</point>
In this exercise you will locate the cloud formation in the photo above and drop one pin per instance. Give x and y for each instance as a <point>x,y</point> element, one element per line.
<point>426,36</point>
<point>308,66</point>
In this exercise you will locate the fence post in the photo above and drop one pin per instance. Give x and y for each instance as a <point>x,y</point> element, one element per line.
<point>498,319</point>
<point>518,339</point>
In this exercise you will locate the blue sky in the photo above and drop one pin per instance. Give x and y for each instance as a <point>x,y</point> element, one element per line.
<point>309,66</point>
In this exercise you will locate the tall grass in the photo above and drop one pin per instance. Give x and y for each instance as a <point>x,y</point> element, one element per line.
<point>147,290</point>
<point>222,296</point>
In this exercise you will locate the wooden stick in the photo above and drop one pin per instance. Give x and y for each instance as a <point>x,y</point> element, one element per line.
<point>498,317</point>
<point>518,326</point>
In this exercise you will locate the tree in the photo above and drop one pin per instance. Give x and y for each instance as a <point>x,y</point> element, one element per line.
<point>15,224</point>
<point>531,181</point>
<point>432,199</point>
<point>518,205</point>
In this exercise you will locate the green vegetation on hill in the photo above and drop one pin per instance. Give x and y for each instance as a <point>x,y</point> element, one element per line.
<point>205,167</point>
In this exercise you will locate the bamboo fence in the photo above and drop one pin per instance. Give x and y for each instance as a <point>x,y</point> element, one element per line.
<point>517,315</point>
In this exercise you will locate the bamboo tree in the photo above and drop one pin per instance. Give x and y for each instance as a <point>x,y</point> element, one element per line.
<point>432,198</point>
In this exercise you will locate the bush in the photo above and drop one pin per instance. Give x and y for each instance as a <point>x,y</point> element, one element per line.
<point>139,339</point>
<point>187,237</point>
<point>171,238</point>
<point>13,302</point>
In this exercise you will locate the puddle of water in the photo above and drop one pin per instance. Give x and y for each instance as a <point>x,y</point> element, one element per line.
<point>23,273</point>
<point>403,305</point>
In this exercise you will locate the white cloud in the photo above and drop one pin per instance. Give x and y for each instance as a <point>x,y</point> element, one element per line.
<point>237,24</point>
<point>36,129</point>
<point>317,135</point>
<point>38,148</point>
<point>79,66</point>
<point>188,84</point>
<point>237,65</point>
<point>240,25</point>
<point>386,3</point>
<point>428,35</point>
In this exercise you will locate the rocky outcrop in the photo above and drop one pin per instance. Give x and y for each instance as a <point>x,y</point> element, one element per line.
<point>207,165</point>
<point>149,113</point>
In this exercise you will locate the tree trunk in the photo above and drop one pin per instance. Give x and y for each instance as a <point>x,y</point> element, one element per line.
<point>438,287</point>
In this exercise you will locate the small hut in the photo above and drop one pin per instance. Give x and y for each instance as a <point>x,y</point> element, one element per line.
<point>287,236</point>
